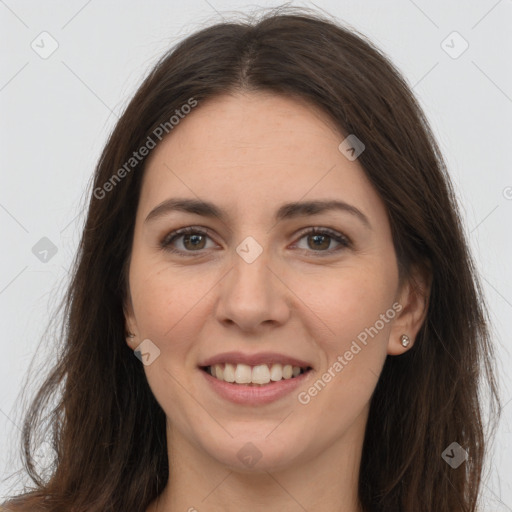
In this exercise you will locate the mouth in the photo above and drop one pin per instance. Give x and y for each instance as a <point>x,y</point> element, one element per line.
<point>254,375</point>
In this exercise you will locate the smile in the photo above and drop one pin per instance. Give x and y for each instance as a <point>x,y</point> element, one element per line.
<point>258,375</point>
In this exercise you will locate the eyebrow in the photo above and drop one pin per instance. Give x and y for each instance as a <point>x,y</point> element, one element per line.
<point>285,212</point>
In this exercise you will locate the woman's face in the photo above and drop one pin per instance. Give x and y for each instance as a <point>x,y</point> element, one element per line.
<point>253,287</point>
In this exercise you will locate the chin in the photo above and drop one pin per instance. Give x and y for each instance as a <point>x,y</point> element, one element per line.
<point>255,453</point>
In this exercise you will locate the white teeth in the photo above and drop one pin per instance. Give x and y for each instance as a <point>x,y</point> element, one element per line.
<point>243,374</point>
<point>229,373</point>
<point>260,374</point>
<point>276,372</point>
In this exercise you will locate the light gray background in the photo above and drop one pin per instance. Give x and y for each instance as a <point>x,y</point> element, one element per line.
<point>57,112</point>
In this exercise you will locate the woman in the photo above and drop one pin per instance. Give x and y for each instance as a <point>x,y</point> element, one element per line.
<point>273,233</point>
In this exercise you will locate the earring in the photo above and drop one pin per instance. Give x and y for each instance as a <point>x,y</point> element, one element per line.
<point>130,335</point>
<point>405,340</point>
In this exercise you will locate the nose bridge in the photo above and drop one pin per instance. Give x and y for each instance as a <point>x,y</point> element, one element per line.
<point>251,261</point>
<point>251,294</point>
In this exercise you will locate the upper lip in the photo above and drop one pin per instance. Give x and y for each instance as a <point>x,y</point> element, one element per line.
<point>254,359</point>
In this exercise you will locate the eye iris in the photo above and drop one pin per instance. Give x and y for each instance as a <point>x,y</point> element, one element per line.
<point>194,239</point>
<point>320,246</point>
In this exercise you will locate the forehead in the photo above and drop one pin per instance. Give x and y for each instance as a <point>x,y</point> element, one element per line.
<point>257,150</point>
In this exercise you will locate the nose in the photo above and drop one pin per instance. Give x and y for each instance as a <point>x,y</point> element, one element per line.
<point>252,296</point>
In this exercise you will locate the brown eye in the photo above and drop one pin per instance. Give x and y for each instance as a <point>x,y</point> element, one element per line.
<point>193,242</point>
<point>319,240</point>
<point>185,241</point>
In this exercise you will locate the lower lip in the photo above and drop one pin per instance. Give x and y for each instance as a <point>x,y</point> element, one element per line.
<point>255,395</point>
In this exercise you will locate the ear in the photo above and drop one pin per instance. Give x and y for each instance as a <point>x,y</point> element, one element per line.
<point>131,330</point>
<point>413,297</point>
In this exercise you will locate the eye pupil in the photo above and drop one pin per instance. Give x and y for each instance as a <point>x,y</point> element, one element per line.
<point>194,239</point>
<point>323,238</point>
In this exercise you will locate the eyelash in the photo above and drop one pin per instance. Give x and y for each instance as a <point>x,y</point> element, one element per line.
<point>165,244</point>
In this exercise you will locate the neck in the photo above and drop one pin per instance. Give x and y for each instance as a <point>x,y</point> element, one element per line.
<point>328,481</point>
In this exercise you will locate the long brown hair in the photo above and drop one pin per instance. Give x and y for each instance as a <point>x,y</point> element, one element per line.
<point>106,428</point>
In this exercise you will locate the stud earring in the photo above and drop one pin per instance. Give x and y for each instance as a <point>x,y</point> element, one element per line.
<point>130,335</point>
<point>405,340</point>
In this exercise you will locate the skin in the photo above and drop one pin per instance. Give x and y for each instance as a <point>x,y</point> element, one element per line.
<point>249,153</point>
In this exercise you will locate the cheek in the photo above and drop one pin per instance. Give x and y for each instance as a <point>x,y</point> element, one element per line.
<point>350,300</point>
<point>160,296</point>
<point>357,308</point>
<point>167,305</point>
